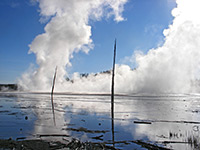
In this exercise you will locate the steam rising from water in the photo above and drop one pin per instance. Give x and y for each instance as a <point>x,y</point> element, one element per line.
<point>174,67</point>
<point>67,32</point>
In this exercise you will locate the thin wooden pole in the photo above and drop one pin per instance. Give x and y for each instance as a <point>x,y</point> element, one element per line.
<point>52,90</point>
<point>112,94</point>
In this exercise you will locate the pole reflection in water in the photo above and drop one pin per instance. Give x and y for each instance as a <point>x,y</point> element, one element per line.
<point>54,80</point>
<point>113,128</point>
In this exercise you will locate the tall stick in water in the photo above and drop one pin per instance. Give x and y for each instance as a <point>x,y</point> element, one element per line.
<point>112,94</point>
<point>54,79</point>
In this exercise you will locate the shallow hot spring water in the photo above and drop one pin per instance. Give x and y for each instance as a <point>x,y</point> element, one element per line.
<point>168,121</point>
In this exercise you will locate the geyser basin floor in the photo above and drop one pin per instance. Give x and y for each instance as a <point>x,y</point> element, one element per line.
<point>170,121</point>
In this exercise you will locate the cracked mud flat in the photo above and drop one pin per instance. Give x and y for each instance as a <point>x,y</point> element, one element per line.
<point>140,122</point>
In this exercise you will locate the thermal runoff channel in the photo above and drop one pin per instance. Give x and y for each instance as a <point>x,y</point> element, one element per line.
<point>171,68</point>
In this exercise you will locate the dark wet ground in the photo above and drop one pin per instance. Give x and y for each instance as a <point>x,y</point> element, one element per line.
<point>140,122</point>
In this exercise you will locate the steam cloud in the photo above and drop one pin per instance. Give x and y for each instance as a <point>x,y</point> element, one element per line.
<point>171,68</point>
<point>67,32</point>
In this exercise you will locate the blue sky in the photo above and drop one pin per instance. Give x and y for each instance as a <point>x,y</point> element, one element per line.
<point>142,30</point>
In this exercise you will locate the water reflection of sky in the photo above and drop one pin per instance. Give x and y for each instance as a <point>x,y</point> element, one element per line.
<point>173,118</point>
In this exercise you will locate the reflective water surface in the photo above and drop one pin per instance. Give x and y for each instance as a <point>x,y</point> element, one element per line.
<point>170,121</point>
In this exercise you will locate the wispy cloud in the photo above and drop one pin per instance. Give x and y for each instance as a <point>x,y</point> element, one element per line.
<point>155,31</point>
<point>14,4</point>
<point>11,3</point>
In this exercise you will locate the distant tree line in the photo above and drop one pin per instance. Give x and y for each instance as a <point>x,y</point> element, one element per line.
<point>8,87</point>
<point>85,75</point>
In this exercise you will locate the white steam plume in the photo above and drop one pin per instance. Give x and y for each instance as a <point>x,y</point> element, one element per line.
<point>67,32</point>
<point>174,66</point>
<point>171,68</point>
